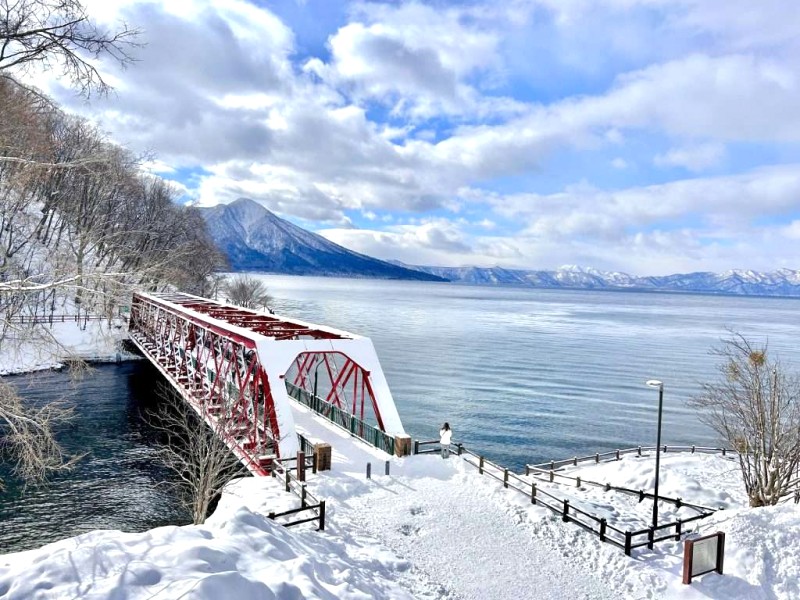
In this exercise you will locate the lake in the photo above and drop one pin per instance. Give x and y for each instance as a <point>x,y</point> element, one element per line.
<point>522,375</point>
<point>526,375</point>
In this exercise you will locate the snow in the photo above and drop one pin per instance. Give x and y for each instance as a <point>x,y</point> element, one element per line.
<point>95,342</point>
<point>431,529</point>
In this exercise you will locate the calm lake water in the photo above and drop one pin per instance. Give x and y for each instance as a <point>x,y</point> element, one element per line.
<point>522,375</point>
<point>527,375</point>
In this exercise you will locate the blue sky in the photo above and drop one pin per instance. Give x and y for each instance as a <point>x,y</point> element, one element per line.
<point>646,136</point>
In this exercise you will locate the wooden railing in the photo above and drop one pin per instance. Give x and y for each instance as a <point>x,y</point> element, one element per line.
<point>282,469</point>
<point>616,454</point>
<point>599,526</point>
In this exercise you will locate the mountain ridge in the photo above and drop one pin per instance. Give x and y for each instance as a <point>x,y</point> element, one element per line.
<point>255,239</point>
<point>781,282</point>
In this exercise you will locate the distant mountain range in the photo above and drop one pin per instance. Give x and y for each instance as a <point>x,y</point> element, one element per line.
<point>254,239</point>
<point>784,282</point>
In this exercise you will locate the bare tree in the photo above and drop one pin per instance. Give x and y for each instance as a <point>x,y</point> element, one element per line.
<point>27,435</point>
<point>755,407</point>
<point>59,34</point>
<point>247,292</point>
<point>196,453</point>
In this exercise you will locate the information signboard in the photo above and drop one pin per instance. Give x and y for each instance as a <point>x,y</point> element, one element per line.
<point>703,555</point>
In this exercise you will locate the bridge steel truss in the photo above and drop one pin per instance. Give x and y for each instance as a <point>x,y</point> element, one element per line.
<point>231,364</point>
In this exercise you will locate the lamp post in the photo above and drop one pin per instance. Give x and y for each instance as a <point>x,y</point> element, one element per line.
<point>316,373</point>
<point>654,383</point>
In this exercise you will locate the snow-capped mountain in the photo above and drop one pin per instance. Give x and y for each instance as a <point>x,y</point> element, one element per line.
<point>783,282</point>
<point>254,239</point>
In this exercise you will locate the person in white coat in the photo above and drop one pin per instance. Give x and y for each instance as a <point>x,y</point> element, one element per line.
<point>445,433</point>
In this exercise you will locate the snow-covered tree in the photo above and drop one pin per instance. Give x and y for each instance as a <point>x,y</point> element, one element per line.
<point>755,407</point>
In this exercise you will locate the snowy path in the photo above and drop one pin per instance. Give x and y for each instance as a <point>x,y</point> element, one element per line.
<point>464,535</point>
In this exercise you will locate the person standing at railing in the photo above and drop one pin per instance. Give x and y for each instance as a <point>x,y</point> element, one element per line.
<point>445,433</point>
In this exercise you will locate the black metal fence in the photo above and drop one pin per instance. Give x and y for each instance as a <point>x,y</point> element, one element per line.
<point>357,427</point>
<point>625,539</point>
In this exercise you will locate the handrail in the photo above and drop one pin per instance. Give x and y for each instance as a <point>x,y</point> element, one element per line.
<point>561,506</point>
<point>557,464</point>
<point>319,516</point>
<point>608,487</point>
<point>338,416</point>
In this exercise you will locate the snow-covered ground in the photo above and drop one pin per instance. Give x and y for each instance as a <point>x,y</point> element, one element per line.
<point>433,528</point>
<point>25,351</point>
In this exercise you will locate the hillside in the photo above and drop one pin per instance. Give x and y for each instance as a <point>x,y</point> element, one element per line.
<point>254,239</point>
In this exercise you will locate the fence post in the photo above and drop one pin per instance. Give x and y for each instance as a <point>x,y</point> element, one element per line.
<point>322,515</point>
<point>303,496</point>
<point>577,482</point>
<point>723,452</point>
<point>460,447</point>
<point>552,465</point>
<point>387,467</point>
<point>480,465</point>
<point>627,543</point>
<point>314,463</point>
<point>651,534</point>
<point>603,530</point>
<point>551,476</point>
<point>565,516</point>
<point>575,461</point>
<point>692,448</point>
<point>640,450</point>
<point>641,495</point>
<point>271,515</point>
<point>617,454</point>
<point>288,478</point>
<point>369,470</point>
<point>505,478</point>
<point>533,493</point>
<point>527,470</point>
<point>416,446</point>
<point>597,458</point>
<point>678,528</point>
<point>301,466</point>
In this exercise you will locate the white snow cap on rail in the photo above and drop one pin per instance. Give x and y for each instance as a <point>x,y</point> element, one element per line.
<point>278,355</point>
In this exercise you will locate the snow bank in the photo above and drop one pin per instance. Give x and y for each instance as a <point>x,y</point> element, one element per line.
<point>432,529</point>
<point>242,555</point>
<point>35,351</point>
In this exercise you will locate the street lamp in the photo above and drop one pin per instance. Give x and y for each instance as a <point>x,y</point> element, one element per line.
<point>316,373</point>
<point>655,383</point>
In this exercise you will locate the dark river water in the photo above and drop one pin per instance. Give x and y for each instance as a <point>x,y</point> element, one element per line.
<point>523,375</point>
<point>118,484</point>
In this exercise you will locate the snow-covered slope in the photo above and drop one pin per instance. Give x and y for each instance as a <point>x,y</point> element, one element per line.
<point>434,529</point>
<point>783,282</point>
<point>254,239</point>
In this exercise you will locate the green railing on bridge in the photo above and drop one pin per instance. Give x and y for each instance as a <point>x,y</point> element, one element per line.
<point>357,427</point>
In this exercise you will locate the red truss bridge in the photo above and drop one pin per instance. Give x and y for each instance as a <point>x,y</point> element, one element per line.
<point>237,368</point>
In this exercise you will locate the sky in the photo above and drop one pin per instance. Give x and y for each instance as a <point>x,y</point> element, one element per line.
<point>644,136</point>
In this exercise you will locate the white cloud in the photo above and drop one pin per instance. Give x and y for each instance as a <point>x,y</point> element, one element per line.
<point>221,90</point>
<point>694,158</point>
